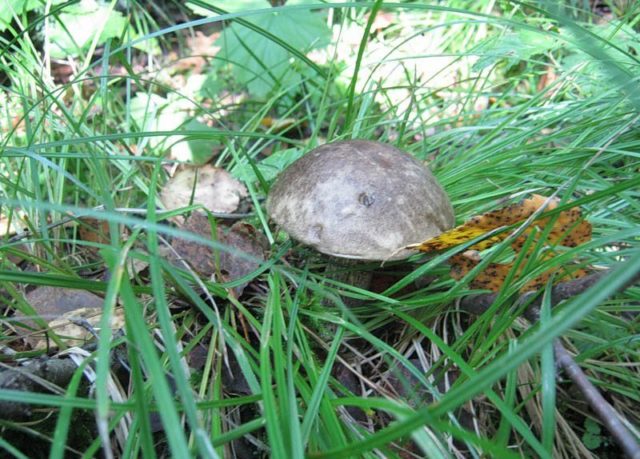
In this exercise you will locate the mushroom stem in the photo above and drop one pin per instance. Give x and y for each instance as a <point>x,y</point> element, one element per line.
<point>348,271</point>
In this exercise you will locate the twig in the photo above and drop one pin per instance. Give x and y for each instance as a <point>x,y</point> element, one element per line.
<point>477,304</point>
<point>608,415</point>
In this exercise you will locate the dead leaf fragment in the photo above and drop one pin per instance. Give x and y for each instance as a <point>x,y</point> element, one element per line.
<point>382,20</point>
<point>202,44</point>
<point>201,50</point>
<point>245,239</point>
<point>94,230</point>
<point>200,257</point>
<point>75,327</point>
<point>58,307</point>
<point>547,79</point>
<point>213,188</point>
<point>277,124</point>
<point>242,237</point>
<point>52,302</point>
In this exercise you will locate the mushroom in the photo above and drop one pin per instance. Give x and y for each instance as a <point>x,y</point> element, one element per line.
<point>359,200</point>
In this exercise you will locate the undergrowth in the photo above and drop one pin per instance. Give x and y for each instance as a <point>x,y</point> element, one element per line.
<point>500,99</point>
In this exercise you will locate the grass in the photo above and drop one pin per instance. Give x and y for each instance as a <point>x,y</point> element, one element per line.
<point>288,370</point>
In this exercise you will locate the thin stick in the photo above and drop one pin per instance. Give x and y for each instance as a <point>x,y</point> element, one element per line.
<point>477,304</point>
<point>608,415</point>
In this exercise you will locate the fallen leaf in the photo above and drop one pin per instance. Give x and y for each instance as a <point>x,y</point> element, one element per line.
<point>93,230</point>
<point>194,64</point>
<point>200,257</point>
<point>52,302</point>
<point>202,44</point>
<point>75,327</point>
<point>61,71</point>
<point>568,229</point>
<point>58,307</point>
<point>382,20</point>
<point>547,79</point>
<point>493,276</point>
<point>243,237</point>
<point>213,188</point>
<point>277,124</point>
<point>201,48</point>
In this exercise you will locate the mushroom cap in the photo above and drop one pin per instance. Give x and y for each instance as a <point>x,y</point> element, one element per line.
<point>359,199</point>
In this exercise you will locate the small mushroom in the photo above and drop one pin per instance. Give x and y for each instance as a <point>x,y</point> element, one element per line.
<point>359,200</point>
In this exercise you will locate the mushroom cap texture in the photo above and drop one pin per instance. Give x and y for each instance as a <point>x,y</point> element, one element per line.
<point>359,199</point>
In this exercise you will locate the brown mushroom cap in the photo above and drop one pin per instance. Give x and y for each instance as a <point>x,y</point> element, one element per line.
<point>359,199</point>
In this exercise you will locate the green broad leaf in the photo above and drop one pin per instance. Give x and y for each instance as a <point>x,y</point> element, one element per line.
<point>269,167</point>
<point>513,47</point>
<point>146,110</point>
<point>12,8</point>
<point>592,441</point>
<point>211,86</point>
<point>592,426</point>
<point>591,74</point>
<point>149,45</point>
<point>153,113</point>
<point>232,6</point>
<point>74,30</point>
<point>264,66</point>
<point>199,151</point>
<point>235,6</point>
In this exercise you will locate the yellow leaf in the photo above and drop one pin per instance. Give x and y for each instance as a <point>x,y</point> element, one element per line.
<point>493,276</point>
<point>568,229</point>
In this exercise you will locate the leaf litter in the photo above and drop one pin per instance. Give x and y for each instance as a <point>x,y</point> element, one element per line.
<point>218,192</point>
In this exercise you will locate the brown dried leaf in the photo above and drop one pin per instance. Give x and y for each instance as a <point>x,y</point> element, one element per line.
<point>203,259</point>
<point>277,124</point>
<point>93,230</point>
<point>55,304</point>
<point>200,257</point>
<point>382,20</point>
<point>213,188</point>
<point>52,302</point>
<point>547,79</point>
<point>246,239</point>
<point>201,44</point>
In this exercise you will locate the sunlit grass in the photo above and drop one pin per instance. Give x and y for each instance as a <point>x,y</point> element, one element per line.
<point>417,369</point>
